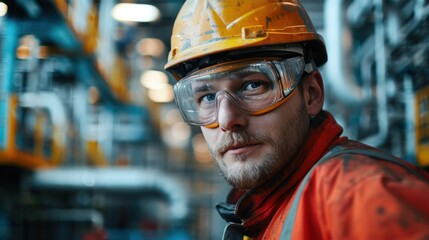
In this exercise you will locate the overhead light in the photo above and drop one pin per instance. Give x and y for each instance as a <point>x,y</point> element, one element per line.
<point>175,132</point>
<point>157,84</point>
<point>3,9</point>
<point>132,12</point>
<point>163,94</point>
<point>150,47</point>
<point>153,79</point>
<point>201,149</point>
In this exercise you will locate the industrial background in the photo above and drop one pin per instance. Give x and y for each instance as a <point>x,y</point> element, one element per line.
<point>93,147</point>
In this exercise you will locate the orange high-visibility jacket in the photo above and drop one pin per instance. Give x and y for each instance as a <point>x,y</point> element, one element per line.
<point>354,192</point>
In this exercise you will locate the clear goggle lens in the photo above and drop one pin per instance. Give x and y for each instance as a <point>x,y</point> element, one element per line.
<point>256,86</point>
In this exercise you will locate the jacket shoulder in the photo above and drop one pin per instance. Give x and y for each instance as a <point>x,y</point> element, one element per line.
<point>353,188</point>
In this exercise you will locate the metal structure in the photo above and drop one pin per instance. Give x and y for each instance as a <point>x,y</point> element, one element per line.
<point>69,128</point>
<point>376,73</point>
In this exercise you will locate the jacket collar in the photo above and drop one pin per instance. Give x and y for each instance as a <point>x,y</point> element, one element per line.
<point>255,208</point>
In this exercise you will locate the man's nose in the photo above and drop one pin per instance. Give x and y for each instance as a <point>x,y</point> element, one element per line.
<point>230,116</point>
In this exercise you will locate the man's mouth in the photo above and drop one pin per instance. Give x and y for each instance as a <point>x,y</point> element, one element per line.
<point>237,149</point>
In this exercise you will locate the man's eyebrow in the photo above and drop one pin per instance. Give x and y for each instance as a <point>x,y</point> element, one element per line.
<point>202,88</point>
<point>241,75</point>
<point>231,77</point>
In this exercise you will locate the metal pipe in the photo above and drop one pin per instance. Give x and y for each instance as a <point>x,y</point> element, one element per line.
<point>419,9</point>
<point>366,62</point>
<point>115,179</point>
<point>410,131</point>
<point>49,100</point>
<point>57,111</point>
<point>65,215</point>
<point>357,10</point>
<point>338,70</point>
<point>380,58</point>
<point>8,46</point>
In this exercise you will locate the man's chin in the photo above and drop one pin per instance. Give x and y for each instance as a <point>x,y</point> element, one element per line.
<point>243,174</point>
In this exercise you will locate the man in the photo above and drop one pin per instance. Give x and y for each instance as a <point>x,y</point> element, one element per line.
<point>247,74</point>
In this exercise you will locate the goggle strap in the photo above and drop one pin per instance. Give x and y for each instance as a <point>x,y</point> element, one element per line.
<point>309,67</point>
<point>275,105</point>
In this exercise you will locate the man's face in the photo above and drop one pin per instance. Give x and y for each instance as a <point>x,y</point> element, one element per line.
<point>250,149</point>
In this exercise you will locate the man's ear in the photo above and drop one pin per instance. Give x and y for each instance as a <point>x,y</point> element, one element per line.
<point>314,93</point>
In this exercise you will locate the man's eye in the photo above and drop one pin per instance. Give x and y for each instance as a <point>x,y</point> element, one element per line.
<point>252,86</point>
<point>208,97</point>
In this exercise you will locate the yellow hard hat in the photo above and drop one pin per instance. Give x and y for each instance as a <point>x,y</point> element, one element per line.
<point>211,27</point>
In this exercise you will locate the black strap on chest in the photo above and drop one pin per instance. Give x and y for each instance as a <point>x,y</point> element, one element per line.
<point>233,231</point>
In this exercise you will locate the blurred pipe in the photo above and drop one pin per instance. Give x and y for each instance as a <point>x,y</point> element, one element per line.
<point>8,46</point>
<point>48,100</point>
<point>31,7</point>
<point>66,215</point>
<point>9,38</point>
<point>410,134</point>
<point>357,10</point>
<point>367,60</point>
<point>393,33</point>
<point>115,179</point>
<point>338,73</point>
<point>380,58</point>
<point>57,110</point>
<point>420,11</point>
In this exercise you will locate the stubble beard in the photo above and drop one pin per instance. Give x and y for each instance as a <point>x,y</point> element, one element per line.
<point>244,173</point>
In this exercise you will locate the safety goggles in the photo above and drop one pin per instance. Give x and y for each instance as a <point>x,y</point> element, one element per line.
<point>255,86</point>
